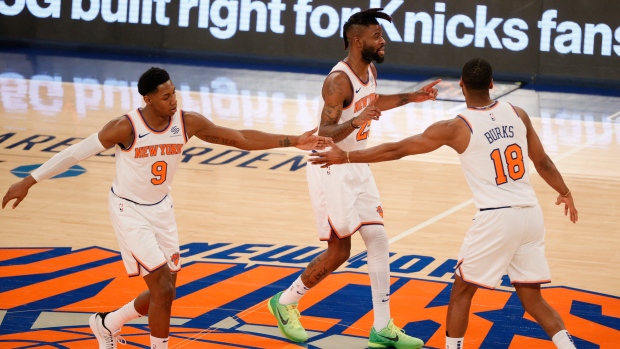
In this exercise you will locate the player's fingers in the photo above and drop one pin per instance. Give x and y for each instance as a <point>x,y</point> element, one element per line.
<point>312,131</point>
<point>576,216</point>
<point>17,201</point>
<point>427,87</point>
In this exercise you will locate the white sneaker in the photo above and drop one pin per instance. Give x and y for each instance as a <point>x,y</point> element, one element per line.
<point>106,339</point>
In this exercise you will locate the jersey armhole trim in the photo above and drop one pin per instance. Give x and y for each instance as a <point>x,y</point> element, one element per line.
<point>135,134</point>
<point>466,122</point>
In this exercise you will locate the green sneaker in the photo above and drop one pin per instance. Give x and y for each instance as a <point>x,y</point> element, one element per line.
<point>288,319</point>
<point>392,336</point>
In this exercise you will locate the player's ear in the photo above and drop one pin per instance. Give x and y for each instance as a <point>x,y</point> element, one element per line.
<point>491,84</point>
<point>146,99</point>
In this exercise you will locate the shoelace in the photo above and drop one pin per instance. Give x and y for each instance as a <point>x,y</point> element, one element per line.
<point>294,315</point>
<point>110,341</point>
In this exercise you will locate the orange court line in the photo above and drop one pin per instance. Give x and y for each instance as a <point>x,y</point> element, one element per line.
<point>214,296</point>
<point>13,253</point>
<point>57,263</point>
<point>123,289</point>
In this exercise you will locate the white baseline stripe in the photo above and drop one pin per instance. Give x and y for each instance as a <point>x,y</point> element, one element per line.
<point>470,201</point>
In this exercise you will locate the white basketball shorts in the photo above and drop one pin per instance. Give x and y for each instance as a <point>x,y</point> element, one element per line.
<point>147,235</point>
<point>344,197</point>
<point>509,240</point>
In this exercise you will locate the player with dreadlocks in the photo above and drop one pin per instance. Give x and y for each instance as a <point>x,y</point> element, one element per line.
<point>345,198</point>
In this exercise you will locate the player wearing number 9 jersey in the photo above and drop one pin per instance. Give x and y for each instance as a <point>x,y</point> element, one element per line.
<point>149,144</point>
<point>494,140</point>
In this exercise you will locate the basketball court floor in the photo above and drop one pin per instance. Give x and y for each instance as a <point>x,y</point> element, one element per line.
<point>246,223</point>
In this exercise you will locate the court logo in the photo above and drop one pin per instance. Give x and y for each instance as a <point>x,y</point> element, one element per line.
<point>48,294</point>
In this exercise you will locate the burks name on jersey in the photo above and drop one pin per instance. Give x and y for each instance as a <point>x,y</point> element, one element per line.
<point>497,133</point>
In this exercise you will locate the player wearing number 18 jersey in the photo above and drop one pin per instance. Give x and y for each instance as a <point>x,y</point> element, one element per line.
<point>494,141</point>
<point>149,144</point>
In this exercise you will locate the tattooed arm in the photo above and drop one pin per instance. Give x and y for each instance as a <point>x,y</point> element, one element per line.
<point>337,92</point>
<point>199,126</point>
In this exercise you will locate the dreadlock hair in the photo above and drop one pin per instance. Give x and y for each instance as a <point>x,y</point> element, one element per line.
<point>150,79</point>
<point>364,18</point>
<point>477,74</point>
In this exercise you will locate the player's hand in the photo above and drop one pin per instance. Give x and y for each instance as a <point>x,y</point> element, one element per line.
<point>18,191</point>
<point>331,157</point>
<point>371,112</point>
<point>308,141</point>
<point>428,92</point>
<point>569,206</point>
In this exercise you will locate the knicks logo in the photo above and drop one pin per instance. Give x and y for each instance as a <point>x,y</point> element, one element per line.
<point>48,294</point>
<point>175,258</point>
<point>380,211</point>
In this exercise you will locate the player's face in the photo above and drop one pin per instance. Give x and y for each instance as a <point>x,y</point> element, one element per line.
<point>373,48</point>
<point>164,101</point>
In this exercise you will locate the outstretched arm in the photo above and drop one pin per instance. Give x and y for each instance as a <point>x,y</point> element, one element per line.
<point>387,102</point>
<point>118,130</point>
<point>546,168</point>
<point>451,133</point>
<point>199,126</point>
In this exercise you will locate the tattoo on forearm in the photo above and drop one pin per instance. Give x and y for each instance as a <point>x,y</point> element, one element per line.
<point>403,99</point>
<point>218,140</point>
<point>329,124</point>
<point>285,142</point>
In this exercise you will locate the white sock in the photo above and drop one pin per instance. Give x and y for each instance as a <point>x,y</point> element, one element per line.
<point>563,340</point>
<point>116,319</point>
<point>454,343</point>
<point>294,293</point>
<point>159,343</point>
<point>378,250</point>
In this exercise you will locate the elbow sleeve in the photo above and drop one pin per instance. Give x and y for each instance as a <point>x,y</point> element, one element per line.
<point>69,157</point>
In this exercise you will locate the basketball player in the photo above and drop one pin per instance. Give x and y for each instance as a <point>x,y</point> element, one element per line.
<point>148,143</point>
<point>345,198</point>
<point>494,140</point>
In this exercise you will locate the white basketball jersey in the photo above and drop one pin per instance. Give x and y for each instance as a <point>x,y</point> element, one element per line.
<point>145,170</point>
<point>496,161</point>
<point>363,95</point>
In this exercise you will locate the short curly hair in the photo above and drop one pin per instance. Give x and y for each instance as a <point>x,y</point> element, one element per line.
<point>150,79</point>
<point>477,74</point>
<point>363,18</point>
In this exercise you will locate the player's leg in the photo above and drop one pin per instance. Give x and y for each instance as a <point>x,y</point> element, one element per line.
<point>486,253</point>
<point>549,319</point>
<point>384,333</point>
<point>161,283</point>
<point>457,318</point>
<point>284,304</point>
<point>528,270</point>
<point>378,259</point>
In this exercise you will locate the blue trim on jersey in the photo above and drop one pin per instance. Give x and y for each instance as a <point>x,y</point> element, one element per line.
<point>494,208</point>
<point>134,135</point>
<point>152,129</point>
<point>137,203</point>
<point>466,123</point>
